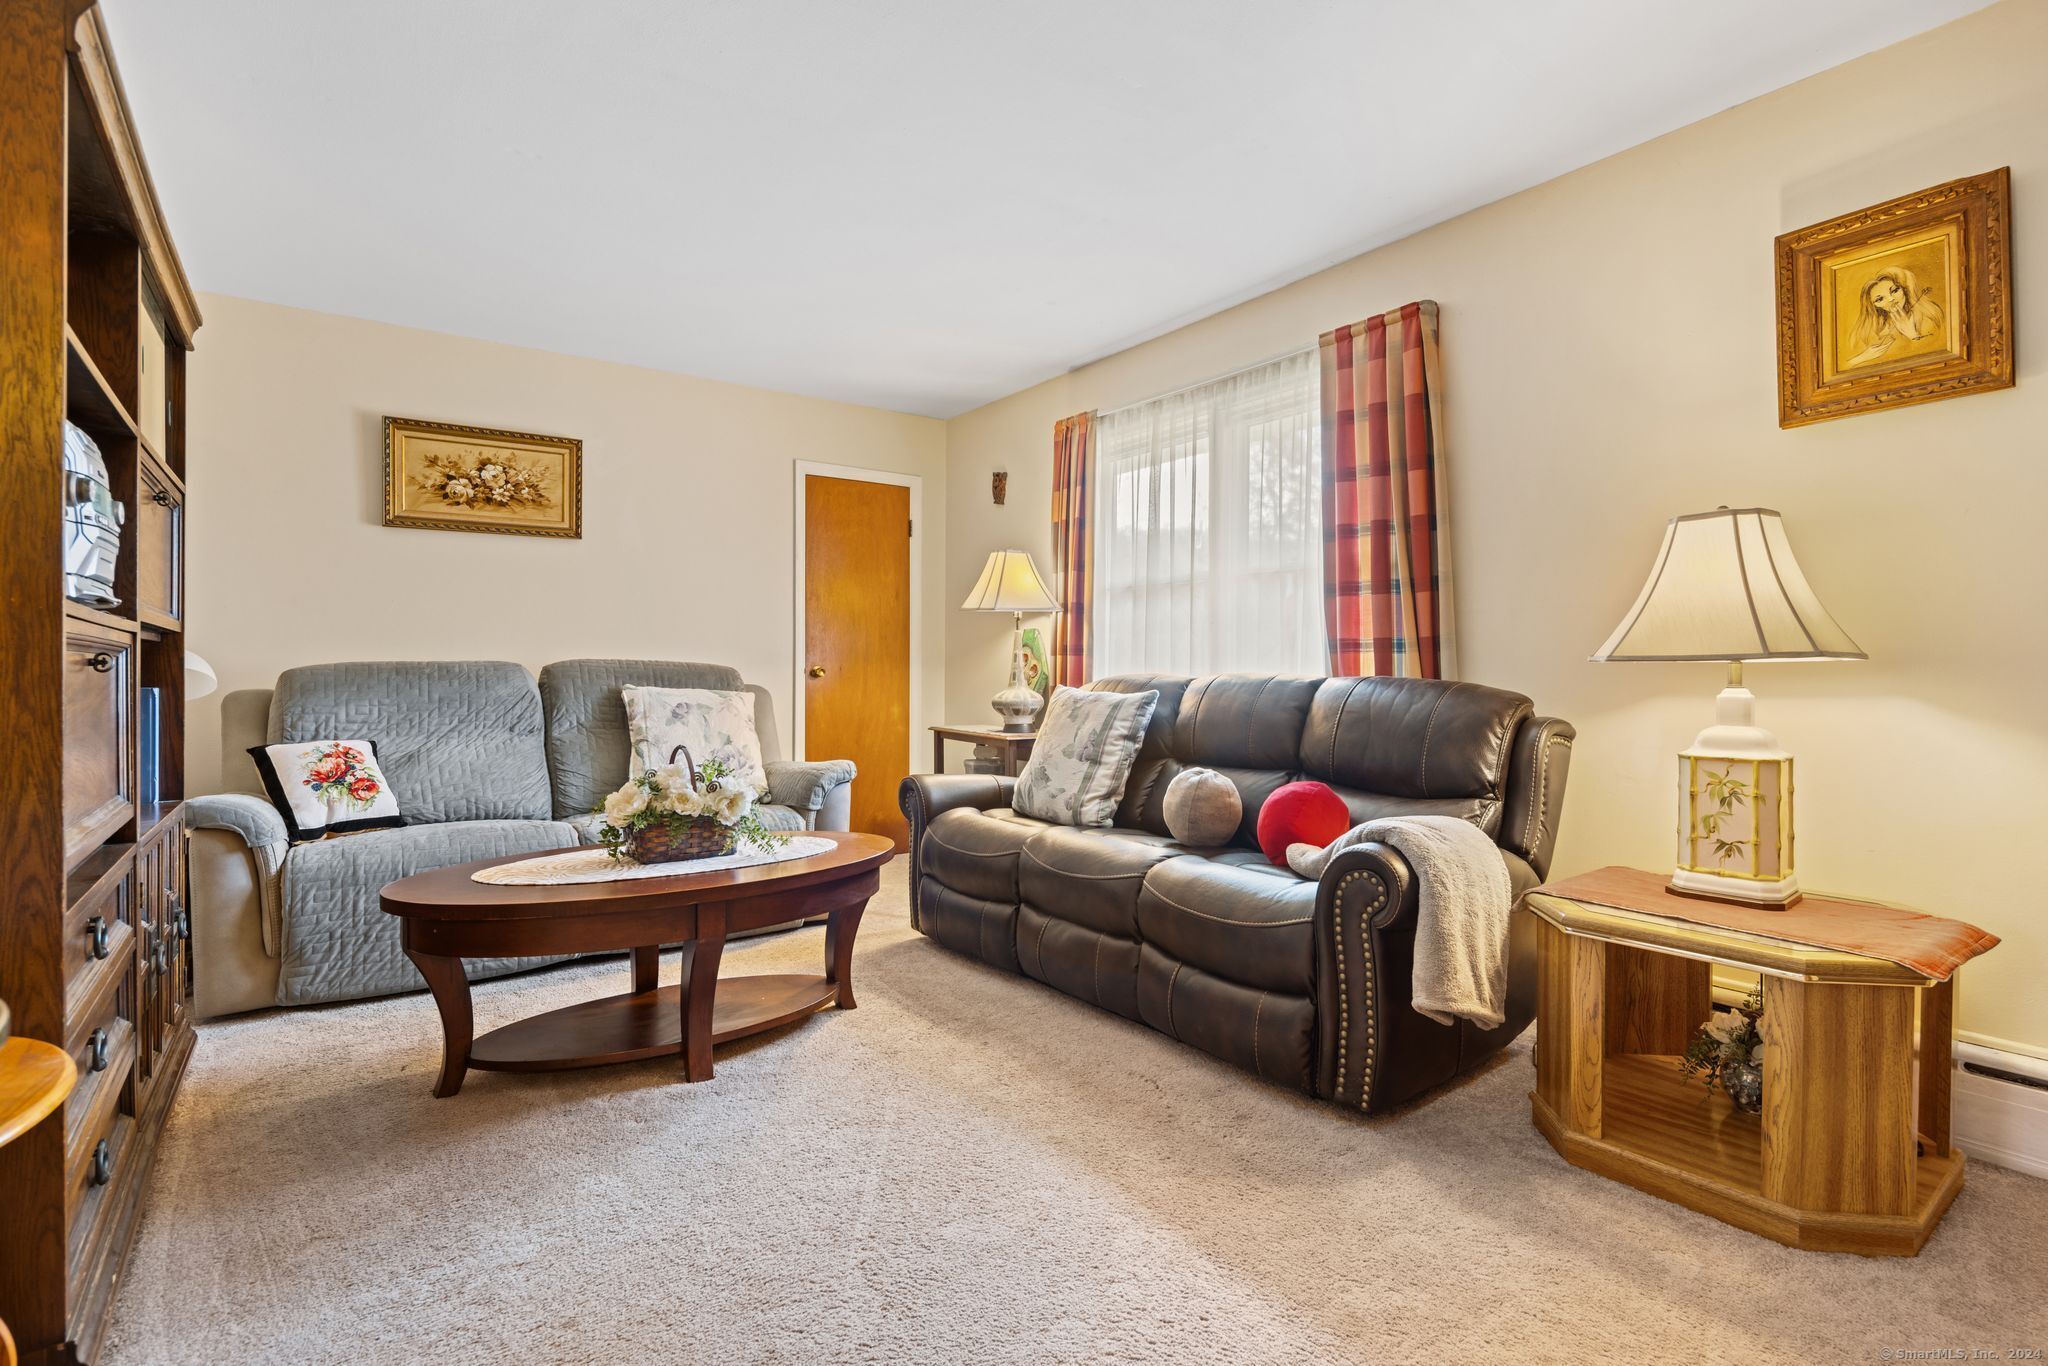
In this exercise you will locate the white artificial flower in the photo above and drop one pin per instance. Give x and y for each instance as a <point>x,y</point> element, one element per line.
<point>628,802</point>
<point>731,804</point>
<point>684,801</point>
<point>672,777</point>
<point>1727,1025</point>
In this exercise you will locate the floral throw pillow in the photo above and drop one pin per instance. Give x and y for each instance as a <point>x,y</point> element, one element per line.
<point>327,787</point>
<point>1083,755</point>
<point>709,722</point>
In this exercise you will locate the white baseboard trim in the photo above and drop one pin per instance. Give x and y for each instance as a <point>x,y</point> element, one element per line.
<point>1998,1121</point>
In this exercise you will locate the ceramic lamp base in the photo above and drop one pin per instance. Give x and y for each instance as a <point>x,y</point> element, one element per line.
<point>1735,807</point>
<point>1019,703</point>
<point>1018,706</point>
<point>1769,896</point>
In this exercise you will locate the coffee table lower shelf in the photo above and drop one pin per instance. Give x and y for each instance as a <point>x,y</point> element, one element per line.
<point>647,1024</point>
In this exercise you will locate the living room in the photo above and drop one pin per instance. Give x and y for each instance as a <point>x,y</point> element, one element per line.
<point>1108,616</point>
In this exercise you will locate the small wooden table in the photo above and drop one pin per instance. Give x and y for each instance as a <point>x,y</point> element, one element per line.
<point>1852,1150</point>
<point>1013,746</point>
<point>35,1078</point>
<point>447,917</point>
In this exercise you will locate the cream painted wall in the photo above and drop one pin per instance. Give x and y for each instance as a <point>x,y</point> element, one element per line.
<point>1609,353</point>
<point>289,562</point>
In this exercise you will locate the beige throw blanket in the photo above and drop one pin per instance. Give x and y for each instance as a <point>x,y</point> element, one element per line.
<point>1464,899</point>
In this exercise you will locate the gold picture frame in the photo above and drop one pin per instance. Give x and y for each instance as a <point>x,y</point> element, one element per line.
<point>440,476</point>
<point>1904,302</point>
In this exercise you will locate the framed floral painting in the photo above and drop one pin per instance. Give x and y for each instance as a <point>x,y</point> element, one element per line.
<point>442,477</point>
<point>1903,302</point>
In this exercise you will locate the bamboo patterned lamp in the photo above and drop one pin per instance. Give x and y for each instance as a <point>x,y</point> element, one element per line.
<point>1010,583</point>
<point>1725,588</point>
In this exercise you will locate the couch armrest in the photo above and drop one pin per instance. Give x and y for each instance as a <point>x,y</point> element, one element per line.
<point>1366,890</point>
<point>235,868</point>
<point>808,786</point>
<point>253,818</point>
<point>925,795</point>
<point>261,830</point>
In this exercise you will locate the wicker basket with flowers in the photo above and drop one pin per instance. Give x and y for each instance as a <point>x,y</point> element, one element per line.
<point>682,811</point>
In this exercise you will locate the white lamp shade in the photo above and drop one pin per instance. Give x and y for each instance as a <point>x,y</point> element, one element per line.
<point>1009,582</point>
<point>199,676</point>
<point>1725,587</point>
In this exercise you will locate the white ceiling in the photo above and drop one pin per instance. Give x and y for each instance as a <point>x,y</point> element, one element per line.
<point>916,204</point>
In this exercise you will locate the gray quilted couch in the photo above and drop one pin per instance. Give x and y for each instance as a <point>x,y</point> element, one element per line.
<point>485,763</point>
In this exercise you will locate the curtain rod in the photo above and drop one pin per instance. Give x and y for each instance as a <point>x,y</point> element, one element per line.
<point>1213,379</point>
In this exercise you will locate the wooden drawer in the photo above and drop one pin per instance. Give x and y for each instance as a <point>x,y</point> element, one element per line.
<point>159,531</point>
<point>99,942</point>
<point>99,769</point>
<point>93,1203</point>
<point>105,1056</point>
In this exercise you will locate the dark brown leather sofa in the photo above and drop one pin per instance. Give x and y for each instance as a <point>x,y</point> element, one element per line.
<point>1304,983</point>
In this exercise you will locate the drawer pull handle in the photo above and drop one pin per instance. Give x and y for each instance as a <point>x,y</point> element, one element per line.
<point>102,1164</point>
<point>101,662</point>
<point>98,937</point>
<point>97,1045</point>
<point>160,498</point>
<point>184,924</point>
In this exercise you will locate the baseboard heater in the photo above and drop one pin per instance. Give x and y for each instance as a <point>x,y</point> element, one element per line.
<point>1999,1107</point>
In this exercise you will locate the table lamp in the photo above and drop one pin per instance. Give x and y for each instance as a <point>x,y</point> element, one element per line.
<point>1725,588</point>
<point>1010,583</point>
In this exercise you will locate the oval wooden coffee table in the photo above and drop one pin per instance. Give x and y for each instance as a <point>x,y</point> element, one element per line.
<point>446,918</point>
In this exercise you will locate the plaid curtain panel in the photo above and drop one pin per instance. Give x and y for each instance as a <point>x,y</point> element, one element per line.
<point>1386,522</point>
<point>1073,463</point>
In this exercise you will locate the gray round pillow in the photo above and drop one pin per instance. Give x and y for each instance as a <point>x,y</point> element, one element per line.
<point>1203,809</point>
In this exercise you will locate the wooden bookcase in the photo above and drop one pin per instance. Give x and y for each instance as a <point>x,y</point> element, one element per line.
<point>96,318</point>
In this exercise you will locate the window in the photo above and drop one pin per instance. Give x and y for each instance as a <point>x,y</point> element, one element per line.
<point>1208,517</point>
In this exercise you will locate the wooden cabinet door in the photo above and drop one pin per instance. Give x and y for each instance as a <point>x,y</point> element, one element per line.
<point>99,768</point>
<point>857,640</point>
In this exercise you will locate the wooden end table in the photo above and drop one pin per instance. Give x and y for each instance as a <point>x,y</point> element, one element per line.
<point>1852,1150</point>
<point>1012,746</point>
<point>447,917</point>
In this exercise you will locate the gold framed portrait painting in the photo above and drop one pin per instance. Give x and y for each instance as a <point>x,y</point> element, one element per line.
<point>442,477</point>
<point>1904,302</point>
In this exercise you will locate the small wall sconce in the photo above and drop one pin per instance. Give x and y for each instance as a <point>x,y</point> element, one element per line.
<point>999,485</point>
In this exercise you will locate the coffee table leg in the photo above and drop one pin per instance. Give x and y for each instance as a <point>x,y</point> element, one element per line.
<point>646,969</point>
<point>700,990</point>
<point>451,995</point>
<point>840,928</point>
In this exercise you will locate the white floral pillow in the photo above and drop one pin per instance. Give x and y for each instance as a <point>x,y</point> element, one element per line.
<point>710,723</point>
<point>1083,756</point>
<point>327,787</point>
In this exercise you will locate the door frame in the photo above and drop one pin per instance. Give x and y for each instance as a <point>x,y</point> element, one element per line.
<point>806,469</point>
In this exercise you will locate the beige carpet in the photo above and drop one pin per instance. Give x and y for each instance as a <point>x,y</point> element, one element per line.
<point>969,1168</point>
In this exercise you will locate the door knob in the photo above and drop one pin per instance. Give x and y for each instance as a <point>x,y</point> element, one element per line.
<point>817,670</point>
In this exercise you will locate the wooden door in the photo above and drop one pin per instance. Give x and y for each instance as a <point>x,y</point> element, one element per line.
<point>857,640</point>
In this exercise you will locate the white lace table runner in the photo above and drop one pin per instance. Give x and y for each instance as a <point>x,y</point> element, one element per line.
<point>596,865</point>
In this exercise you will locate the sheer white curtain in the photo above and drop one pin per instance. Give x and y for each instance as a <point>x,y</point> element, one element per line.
<point>1208,528</point>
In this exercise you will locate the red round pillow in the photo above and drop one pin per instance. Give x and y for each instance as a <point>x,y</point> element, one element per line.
<point>1301,813</point>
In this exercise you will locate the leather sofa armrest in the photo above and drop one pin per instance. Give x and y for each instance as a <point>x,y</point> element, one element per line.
<point>1366,891</point>
<point>925,795</point>
<point>807,786</point>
